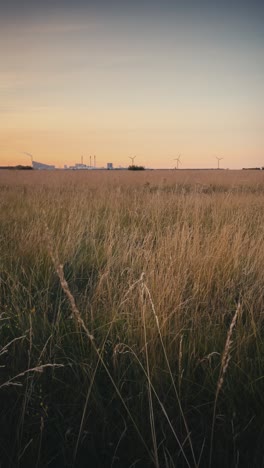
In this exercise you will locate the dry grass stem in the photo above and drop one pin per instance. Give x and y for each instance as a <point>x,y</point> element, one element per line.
<point>13,382</point>
<point>223,369</point>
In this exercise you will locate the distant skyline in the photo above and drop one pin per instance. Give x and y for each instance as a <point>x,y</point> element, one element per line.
<point>147,78</point>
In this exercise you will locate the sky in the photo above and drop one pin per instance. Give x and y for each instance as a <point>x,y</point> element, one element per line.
<point>148,78</point>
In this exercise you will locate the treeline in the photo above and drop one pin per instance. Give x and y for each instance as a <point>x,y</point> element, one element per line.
<point>18,168</point>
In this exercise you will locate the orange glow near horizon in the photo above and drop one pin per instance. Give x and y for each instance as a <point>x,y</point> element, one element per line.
<point>74,86</point>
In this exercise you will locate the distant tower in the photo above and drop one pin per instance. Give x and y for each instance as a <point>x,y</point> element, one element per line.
<point>178,159</point>
<point>109,166</point>
<point>218,162</point>
<point>94,161</point>
<point>90,161</point>
<point>132,159</point>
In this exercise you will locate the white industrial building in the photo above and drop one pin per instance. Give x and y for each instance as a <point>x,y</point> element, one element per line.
<point>41,166</point>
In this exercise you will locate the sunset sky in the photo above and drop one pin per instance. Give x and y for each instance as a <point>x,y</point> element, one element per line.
<point>122,78</point>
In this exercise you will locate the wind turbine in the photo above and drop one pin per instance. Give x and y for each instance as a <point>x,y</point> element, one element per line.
<point>218,162</point>
<point>132,159</point>
<point>30,155</point>
<point>178,159</point>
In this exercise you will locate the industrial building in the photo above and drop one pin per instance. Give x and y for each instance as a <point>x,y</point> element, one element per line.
<point>41,166</point>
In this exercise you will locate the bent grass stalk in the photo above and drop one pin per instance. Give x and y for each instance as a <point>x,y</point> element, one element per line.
<point>169,368</point>
<point>13,382</point>
<point>151,411</point>
<point>77,315</point>
<point>223,369</point>
<point>88,394</point>
<point>163,409</point>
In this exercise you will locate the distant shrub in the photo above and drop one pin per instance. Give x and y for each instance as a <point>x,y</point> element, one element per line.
<point>24,168</point>
<point>136,168</point>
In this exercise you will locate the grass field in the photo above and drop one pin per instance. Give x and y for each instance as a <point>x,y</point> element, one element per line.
<point>132,313</point>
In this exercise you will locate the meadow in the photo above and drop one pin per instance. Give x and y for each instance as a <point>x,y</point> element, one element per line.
<point>131,319</point>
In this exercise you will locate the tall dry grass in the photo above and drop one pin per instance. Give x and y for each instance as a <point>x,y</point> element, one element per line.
<point>130,283</point>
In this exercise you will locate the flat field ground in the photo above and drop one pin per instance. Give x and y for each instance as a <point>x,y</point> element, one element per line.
<point>132,312</point>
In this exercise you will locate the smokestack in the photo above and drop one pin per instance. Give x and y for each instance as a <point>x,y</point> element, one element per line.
<point>90,161</point>
<point>94,161</point>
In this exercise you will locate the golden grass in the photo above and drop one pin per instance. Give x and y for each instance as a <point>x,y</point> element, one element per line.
<point>154,265</point>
